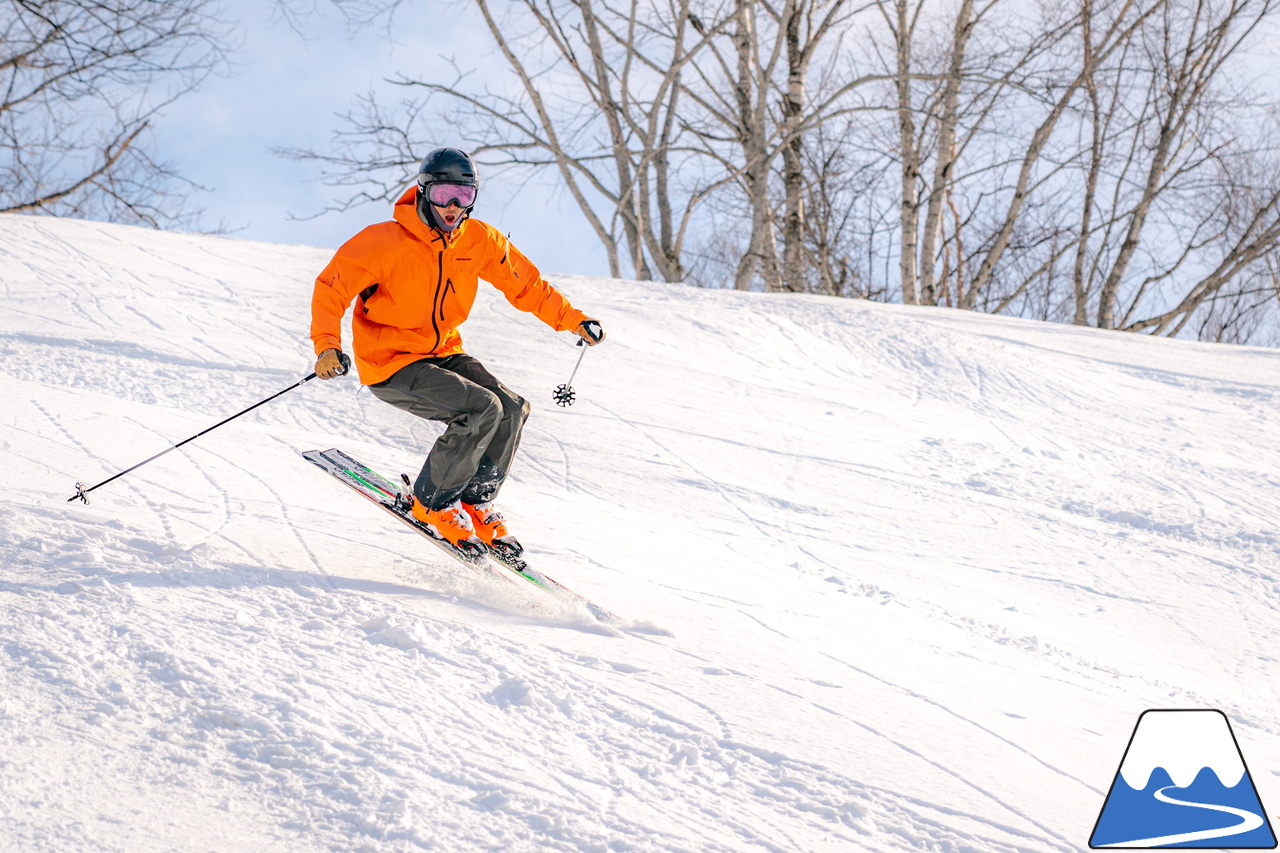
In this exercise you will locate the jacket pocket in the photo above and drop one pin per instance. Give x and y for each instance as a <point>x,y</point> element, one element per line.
<point>444,297</point>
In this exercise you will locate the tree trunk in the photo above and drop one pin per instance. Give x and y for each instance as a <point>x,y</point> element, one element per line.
<point>750,93</point>
<point>1080,282</point>
<point>909,153</point>
<point>945,160</point>
<point>793,228</point>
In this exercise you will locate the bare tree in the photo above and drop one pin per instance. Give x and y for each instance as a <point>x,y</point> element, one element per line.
<point>80,84</point>
<point>734,90</point>
<point>1179,171</point>
<point>773,78</point>
<point>1188,47</point>
<point>805,26</point>
<point>947,149</point>
<point>903,18</point>
<point>1123,18</point>
<point>1099,125</point>
<point>942,97</point>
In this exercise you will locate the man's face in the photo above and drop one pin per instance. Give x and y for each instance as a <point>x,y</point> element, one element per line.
<point>449,215</point>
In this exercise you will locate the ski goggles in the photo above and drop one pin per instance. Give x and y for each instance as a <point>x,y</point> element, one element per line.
<point>443,195</point>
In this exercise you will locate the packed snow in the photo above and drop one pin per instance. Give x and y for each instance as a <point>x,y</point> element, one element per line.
<point>890,578</point>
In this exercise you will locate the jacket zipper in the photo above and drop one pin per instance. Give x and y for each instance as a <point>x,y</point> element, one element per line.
<point>437,306</point>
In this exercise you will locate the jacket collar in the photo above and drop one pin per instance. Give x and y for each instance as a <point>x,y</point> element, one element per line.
<point>406,213</point>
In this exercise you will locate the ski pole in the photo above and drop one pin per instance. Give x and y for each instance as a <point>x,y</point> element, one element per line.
<point>83,493</point>
<point>564,395</point>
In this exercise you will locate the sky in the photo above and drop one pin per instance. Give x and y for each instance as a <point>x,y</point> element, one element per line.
<point>286,89</point>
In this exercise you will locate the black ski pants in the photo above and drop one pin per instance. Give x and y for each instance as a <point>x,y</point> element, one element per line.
<point>483,418</point>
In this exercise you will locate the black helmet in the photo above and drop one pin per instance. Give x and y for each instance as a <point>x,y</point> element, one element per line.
<point>448,166</point>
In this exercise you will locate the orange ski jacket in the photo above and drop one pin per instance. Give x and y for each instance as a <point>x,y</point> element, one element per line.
<point>416,286</point>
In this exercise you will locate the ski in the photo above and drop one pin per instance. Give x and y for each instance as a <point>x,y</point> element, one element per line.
<point>518,565</point>
<point>382,492</point>
<point>496,561</point>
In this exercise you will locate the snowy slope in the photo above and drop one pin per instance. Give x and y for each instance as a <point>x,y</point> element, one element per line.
<point>894,579</point>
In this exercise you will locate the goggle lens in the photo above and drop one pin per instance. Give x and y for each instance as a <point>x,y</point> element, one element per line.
<point>443,195</point>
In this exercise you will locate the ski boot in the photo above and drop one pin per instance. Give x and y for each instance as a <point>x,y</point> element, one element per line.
<point>453,523</point>
<point>491,527</point>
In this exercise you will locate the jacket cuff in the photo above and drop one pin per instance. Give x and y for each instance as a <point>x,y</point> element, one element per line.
<point>325,343</point>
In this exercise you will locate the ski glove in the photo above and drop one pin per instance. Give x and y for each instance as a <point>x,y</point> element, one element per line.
<point>331,363</point>
<point>590,331</point>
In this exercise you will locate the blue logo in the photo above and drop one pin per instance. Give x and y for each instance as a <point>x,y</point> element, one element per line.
<point>1183,783</point>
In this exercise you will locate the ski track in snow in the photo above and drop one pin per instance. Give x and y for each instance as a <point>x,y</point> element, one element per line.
<point>892,579</point>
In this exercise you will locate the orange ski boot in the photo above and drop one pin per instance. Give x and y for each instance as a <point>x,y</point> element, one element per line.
<point>491,527</point>
<point>453,524</point>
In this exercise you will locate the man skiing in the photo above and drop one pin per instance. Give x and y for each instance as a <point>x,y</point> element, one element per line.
<point>414,280</point>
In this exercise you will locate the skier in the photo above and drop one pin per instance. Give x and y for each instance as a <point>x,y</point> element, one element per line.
<point>414,280</point>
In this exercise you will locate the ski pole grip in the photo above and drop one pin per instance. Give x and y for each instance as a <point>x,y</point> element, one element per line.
<point>346,362</point>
